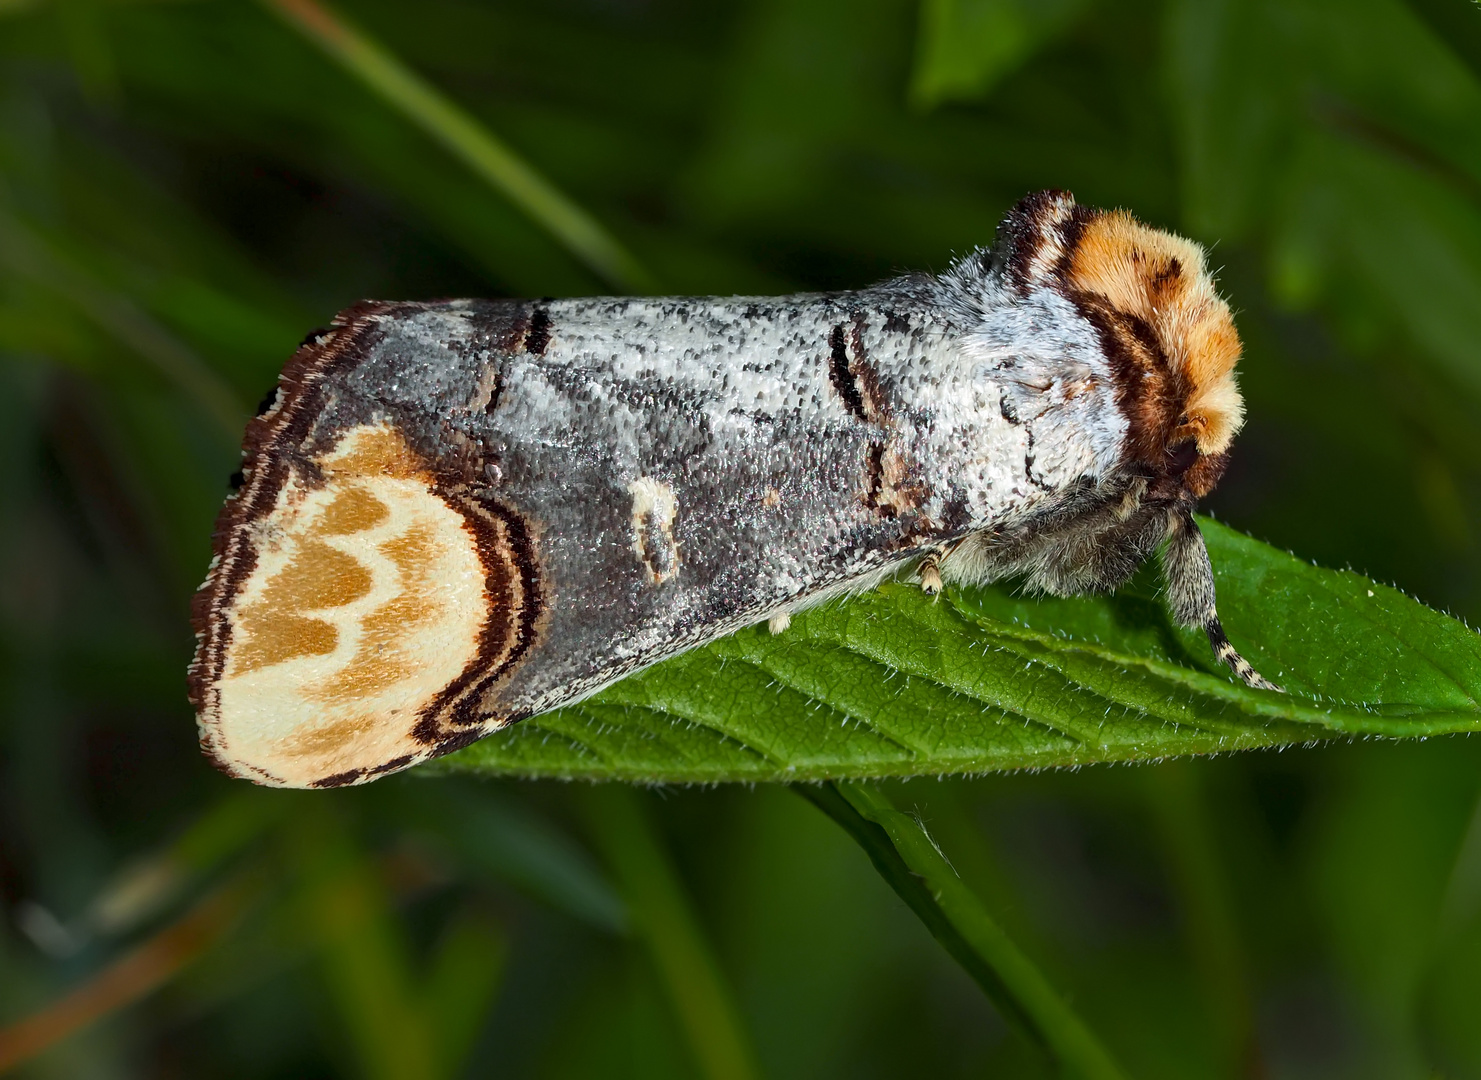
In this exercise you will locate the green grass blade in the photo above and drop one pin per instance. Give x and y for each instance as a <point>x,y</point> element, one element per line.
<point>504,839</point>
<point>421,103</point>
<point>463,977</point>
<point>660,913</point>
<point>1180,814</point>
<point>363,954</point>
<point>26,252</point>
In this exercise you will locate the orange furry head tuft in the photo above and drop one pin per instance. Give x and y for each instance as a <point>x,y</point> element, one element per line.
<point>1161,281</point>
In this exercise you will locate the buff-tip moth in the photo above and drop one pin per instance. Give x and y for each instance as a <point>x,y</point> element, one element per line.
<point>455,515</point>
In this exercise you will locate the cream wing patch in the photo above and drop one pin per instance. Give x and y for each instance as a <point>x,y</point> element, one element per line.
<point>654,507</point>
<point>367,599</point>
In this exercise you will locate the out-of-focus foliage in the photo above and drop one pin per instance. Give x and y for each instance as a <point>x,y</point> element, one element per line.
<point>187,188</point>
<point>965,49</point>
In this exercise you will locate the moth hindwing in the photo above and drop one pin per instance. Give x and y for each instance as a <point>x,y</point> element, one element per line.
<point>455,515</point>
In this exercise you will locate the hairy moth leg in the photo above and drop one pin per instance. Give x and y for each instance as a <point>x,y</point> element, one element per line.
<point>929,574</point>
<point>1190,595</point>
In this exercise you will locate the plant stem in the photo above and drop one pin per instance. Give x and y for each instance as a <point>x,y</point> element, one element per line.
<point>661,913</point>
<point>129,978</point>
<point>421,103</point>
<point>907,858</point>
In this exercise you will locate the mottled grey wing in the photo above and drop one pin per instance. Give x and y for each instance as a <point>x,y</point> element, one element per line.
<point>456,515</point>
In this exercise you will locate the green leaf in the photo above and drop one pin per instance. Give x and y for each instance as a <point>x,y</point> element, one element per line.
<point>892,683</point>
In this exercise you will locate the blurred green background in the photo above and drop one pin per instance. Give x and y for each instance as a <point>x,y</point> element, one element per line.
<point>188,187</point>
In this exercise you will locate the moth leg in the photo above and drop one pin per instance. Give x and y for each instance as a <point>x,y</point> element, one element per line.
<point>779,622</point>
<point>929,574</point>
<point>1190,595</point>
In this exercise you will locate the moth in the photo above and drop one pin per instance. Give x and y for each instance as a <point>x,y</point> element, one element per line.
<point>455,515</point>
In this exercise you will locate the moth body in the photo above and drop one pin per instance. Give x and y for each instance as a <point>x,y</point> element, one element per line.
<point>455,515</point>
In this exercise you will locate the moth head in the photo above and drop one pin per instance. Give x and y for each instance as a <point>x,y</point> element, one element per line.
<point>1167,335</point>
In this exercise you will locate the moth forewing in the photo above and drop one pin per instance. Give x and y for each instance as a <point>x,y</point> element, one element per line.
<point>456,515</point>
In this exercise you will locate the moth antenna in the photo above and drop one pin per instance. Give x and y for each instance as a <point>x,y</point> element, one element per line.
<point>1190,595</point>
<point>1230,656</point>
